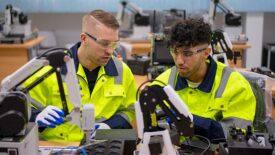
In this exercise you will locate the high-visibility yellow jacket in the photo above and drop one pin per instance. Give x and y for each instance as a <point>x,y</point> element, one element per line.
<point>113,93</point>
<point>224,96</point>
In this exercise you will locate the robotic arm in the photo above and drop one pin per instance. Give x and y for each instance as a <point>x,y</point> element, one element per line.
<point>141,18</point>
<point>13,17</point>
<point>231,18</point>
<point>221,46</point>
<point>15,100</point>
<point>16,24</point>
<point>148,127</point>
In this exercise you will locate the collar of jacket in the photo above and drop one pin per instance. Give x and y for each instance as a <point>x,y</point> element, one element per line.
<point>207,82</point>
<point>110,68</point>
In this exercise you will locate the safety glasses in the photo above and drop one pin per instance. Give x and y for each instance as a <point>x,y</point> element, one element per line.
<point>103,43</point>
<point>186,53</point>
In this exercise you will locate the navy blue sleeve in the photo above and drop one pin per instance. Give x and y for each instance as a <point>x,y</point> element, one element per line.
<point>208,128</point>
<point>34,114</point>
<point>118,122</point>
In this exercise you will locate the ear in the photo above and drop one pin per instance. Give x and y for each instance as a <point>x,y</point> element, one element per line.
<point>207,52</point>
<point>83,38</point>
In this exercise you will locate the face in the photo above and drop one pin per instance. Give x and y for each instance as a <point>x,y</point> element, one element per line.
<point>100,43</point>
<point>189,61</point>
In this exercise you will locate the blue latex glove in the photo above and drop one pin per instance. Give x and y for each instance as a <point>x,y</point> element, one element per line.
<point>50,117</point>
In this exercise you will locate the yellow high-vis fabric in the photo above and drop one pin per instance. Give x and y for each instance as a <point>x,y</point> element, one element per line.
<point>224,95</point>
<point>111,95</point>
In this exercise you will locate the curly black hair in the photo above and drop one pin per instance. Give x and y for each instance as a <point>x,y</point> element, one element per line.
<point>188,33</point>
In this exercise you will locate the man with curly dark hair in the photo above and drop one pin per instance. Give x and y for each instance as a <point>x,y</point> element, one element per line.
<point>217,96</point>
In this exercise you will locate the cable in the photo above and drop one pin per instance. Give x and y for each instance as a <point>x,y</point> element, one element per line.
<point>70,148</point>
<point>89,146</point>
<point>145,83</point>
<point>209,143</point>
<point>83,150</point>
<point>187,141</point>
<point>192,147</point>
<point>92,134</point>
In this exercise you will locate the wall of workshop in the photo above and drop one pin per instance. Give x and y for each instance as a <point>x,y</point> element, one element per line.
<point>269,31</point>
<point>111,5</point>
<point>63,17</point>
<point>65,26</point>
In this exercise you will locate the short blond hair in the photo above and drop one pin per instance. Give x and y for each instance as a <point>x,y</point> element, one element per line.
<point>101,17</point>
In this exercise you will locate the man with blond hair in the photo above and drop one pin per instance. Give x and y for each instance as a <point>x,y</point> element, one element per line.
<point>104,81</point>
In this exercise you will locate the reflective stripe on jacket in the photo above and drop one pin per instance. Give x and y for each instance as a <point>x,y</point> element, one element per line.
<point>224,95</point>
<point>114,93</point>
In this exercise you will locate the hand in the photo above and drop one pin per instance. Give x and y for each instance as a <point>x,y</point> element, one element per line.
<point>50,117</point>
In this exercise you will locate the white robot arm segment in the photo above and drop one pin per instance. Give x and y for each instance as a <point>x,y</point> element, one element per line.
<point>63,65</point>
